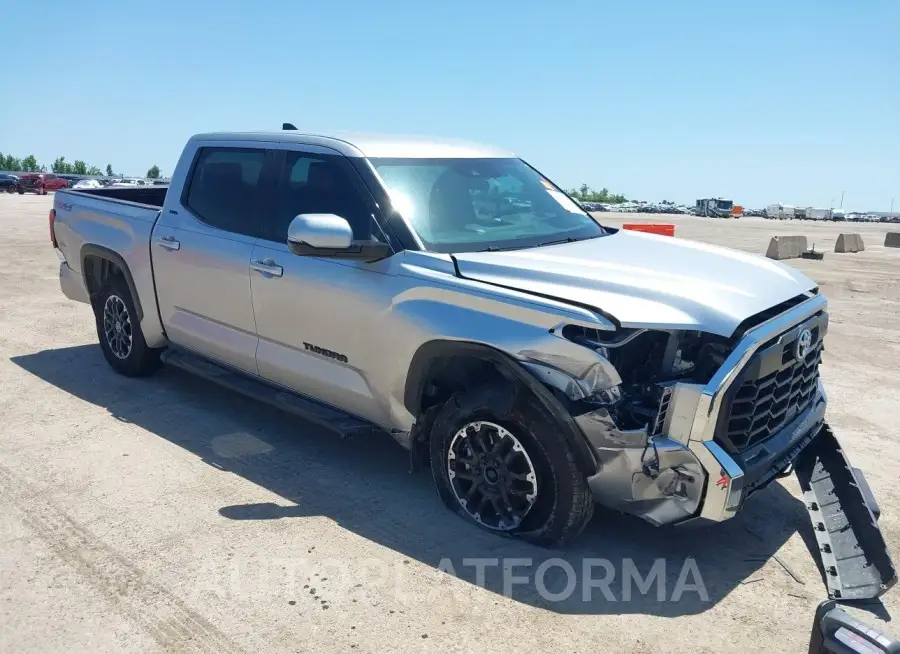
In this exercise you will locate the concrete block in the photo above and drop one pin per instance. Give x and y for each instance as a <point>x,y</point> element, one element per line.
<point>786,247</point>
<point>892,240</point>
<point>849,243</point>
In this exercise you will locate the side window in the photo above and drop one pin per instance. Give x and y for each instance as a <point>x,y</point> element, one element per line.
<point>318,183</point>
<point>224,188</point>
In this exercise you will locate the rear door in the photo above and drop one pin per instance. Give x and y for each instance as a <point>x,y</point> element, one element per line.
<point>201,252</point>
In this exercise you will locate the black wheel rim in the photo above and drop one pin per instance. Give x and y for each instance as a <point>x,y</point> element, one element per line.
<point>117,328</point>
<point>491,475</point>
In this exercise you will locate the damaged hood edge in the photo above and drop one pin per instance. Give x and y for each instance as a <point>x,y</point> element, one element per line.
<point>644,280</point>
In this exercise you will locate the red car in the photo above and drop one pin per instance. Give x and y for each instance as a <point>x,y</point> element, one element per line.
<point>41,183</point>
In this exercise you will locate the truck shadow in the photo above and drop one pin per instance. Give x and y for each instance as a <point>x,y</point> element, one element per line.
<point>365,486</point>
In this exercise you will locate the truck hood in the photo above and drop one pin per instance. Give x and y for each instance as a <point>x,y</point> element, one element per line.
<point>644,280</point>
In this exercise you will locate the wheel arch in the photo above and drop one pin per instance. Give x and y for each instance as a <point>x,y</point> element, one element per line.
<point>97,263</point>
<point>459,360</point>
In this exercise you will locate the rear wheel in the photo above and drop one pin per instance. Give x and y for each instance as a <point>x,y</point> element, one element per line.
<point>119,331</point>
<point>499,461</point>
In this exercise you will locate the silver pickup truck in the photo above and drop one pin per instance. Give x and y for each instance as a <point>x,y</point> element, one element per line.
<point>450,295</point>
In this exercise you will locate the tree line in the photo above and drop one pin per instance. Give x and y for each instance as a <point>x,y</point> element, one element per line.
<point>586,194</point>
<point>30,164</point>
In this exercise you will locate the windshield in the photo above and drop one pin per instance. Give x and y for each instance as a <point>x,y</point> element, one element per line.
<point>465,205</point>
<point>724,204</point>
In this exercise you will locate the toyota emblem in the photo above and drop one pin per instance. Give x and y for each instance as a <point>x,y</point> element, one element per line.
<point>803,345</point>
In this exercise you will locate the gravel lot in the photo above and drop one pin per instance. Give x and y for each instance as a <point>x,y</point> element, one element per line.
<point>168,514</point>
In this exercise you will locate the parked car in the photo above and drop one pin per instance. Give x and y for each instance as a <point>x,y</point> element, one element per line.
<point>130,181</point>
<point>70,179</point>
<point>42,183</point>
<point>535,360</point>
<point>10,183</point>
<point>87,183</point>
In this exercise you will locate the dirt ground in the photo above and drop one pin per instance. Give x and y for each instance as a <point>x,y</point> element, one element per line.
<point>169,514</point>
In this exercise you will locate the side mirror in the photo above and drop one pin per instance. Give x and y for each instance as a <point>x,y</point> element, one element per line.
<point>320,231</point>
<point>330,236</point>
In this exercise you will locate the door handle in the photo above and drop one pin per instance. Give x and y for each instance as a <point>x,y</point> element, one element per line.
<point>168,242</point>
<point>267,266</point>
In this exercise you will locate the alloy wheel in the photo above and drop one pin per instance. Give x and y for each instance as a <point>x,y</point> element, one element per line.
<point>491,475</point>
<point>117,326</point>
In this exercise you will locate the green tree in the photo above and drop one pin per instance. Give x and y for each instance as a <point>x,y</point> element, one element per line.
<point>587,194</point>
<point>109,170</point>
<point>60,165</point>
<point>153,173</point>
<point>30,164</point>
<point>96,172</point>
<point>79,168</point>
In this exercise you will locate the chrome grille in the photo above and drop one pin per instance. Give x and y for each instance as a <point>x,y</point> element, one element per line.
<point>765,404</point>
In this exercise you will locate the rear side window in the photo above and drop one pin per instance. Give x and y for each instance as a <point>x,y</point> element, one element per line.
<point>224,188</point>
<point>319,183</point>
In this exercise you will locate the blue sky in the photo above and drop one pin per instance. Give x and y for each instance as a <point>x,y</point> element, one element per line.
<point>757,101</point>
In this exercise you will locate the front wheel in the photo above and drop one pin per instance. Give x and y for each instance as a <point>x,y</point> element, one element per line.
<point>499,461</point>
<point>119,331</point>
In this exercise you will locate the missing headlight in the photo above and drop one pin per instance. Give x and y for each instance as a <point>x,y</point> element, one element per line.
<point>647,360</point>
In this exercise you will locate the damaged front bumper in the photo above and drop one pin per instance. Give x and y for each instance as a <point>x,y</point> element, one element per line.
<point>674,471</point>
<point>670,478</point>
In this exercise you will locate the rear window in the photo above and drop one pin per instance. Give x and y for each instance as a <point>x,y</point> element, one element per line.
<point>224,188</point>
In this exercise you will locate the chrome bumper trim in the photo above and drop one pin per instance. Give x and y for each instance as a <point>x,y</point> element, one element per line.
<point>725,485</point>
<point>710,402</point>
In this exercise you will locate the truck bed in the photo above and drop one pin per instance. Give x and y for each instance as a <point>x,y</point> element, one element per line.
<point>153,196</point>
<point>117,224</point>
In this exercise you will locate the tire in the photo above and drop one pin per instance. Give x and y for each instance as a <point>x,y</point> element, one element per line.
<point>123,343</point>
<point>21,191</point>
<point>562,505</point>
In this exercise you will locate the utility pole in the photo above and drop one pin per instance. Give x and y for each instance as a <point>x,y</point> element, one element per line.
<point>842,200</point>
<point>892,204</point>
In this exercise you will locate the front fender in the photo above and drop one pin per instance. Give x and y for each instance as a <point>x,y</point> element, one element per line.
<point>509,368</point>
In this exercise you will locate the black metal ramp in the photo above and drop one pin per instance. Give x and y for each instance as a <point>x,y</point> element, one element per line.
<point>855,558</point>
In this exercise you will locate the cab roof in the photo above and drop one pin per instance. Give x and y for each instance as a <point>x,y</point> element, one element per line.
<point>353,144</point>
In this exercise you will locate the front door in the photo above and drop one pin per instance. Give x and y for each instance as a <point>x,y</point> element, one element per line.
<point>313,315</point>
<point>202,246</point>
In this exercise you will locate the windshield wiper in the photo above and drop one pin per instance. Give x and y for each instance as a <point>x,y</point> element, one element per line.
<point>494,248</point>
<point>567,239</point>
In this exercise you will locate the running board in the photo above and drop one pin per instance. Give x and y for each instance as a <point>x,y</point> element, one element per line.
<point>844,516</point>
<point>335,420</point>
